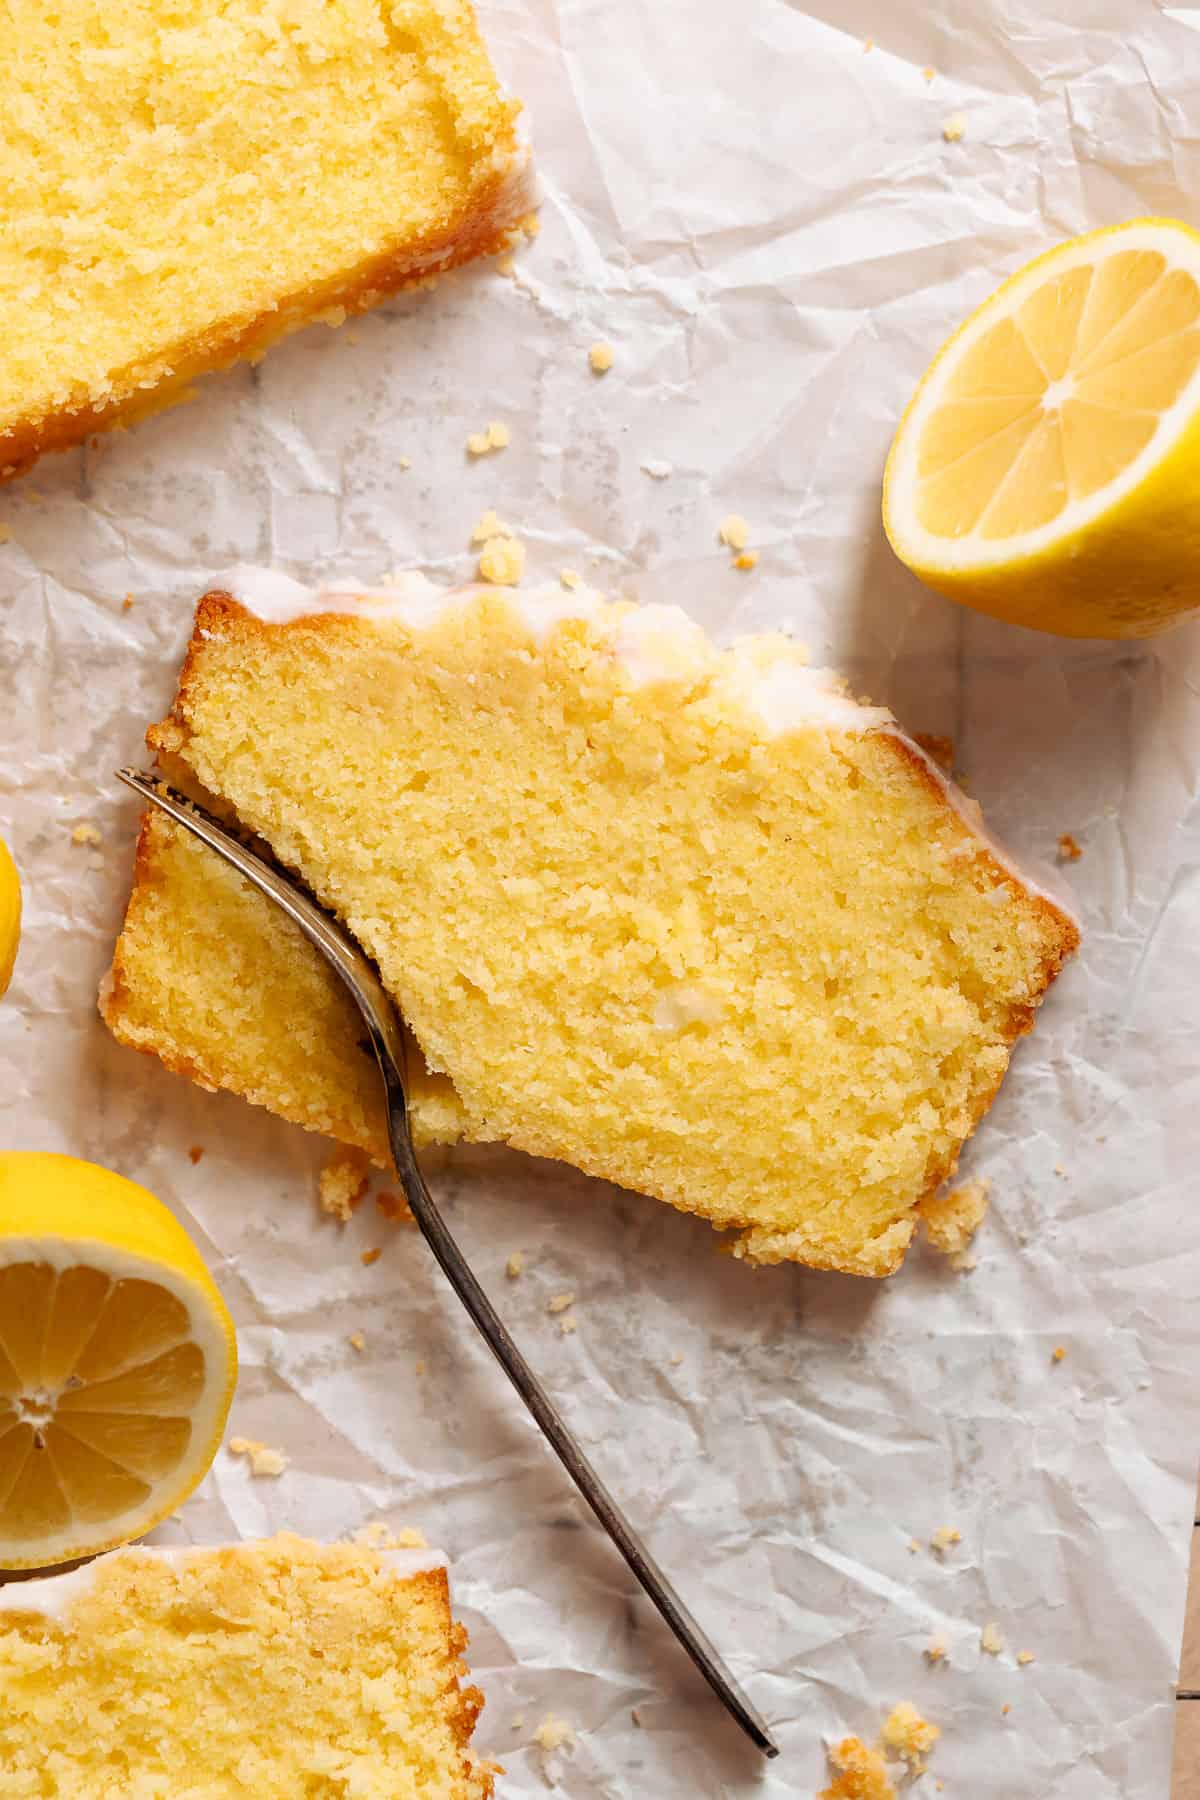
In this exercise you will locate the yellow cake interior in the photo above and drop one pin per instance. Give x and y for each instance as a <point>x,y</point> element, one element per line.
<point>771,976</point>
<point>185,182</point>
<point>282,1669</point>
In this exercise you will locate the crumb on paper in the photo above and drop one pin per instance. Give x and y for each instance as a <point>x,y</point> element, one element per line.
<point>1069,847</point>
<point>1024,1658</point>
<point>747,560</point>
<point>954,128</point>
<point>375,1535</point>
<point>343,1182</point>
<point>489,525</point>
<point>371,1256</point>
<point>195,1153</point>
<point>262,1458</point>
<point>658,468</point>
<point>991,1639</point>
<point>506,264</point>
<point>943,1537</point>
<point>861,1773</point>
<point>568,1325</point>
<point>86,834</point>
<point>394,1208</point>
<point>914,1544</point>
<point>1005,1710</point>
<point>935,1652</point>
<point>734,531</point>
<point>406,462</point>
<point>952,1219</point>
<point>530,224</point>
<point>963,1261</point>
<point>1058,1353</point>
<point>127,603</point>
<point>558,1303</point>
<point>419,1367</point>
<point>554,1734</point>
<point>676,1358</point>
<point>518,1723</point>
<point>496,437</point>
<point>357,1341</point>
<point>1060,1171</point>
<point>570,578</point>
<point>515,1265</point>
<point>410,1538</point>
<point>928,72</point>
<point>502,561</point>
<point>868,44</point>
<point>908,1734</point>
<point>601,357</point>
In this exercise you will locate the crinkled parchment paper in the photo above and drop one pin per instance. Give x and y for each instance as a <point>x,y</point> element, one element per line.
<point>762,216</point>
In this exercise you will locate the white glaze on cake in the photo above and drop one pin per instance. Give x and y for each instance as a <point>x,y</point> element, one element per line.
<point>53,1596</point>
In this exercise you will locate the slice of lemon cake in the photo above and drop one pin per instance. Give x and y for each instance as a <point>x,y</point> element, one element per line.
<point>185,185</point>
<point>694,921</point>
<point>276,1669</point>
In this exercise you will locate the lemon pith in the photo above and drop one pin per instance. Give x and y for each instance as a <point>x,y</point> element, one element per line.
<point>1045,468</point>
<point>117,1360</point>
<point>10,914</point>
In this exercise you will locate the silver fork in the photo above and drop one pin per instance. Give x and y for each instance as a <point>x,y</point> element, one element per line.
<point>359,976</point>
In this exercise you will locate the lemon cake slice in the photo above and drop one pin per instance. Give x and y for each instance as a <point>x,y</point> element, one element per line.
<point>184,186</point>
<point>277,1669</point>
<point>695,921</point>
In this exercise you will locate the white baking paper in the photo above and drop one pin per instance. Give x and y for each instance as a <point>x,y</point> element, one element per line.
<point>761,215</point>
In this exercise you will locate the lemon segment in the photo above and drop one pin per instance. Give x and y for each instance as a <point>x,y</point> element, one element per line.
<point>118,1360</point>
<point>1046,467</point>
<point>10,914</point>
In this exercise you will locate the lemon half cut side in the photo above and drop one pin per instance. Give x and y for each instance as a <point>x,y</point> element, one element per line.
<point>1047,470</point>
<point>118,1360</point>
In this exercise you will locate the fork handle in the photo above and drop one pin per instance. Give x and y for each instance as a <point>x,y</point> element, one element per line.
<point>551,1423</point>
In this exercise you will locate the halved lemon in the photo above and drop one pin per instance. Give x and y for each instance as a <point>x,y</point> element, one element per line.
<point>10,914</point>
<point>1048,466</point>
<point>118,1360</point>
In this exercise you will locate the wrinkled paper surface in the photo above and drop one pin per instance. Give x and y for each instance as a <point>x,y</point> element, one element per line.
<point>763,218</point>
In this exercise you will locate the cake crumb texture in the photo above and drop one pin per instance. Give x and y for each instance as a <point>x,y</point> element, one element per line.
<point>342,1183</point>
<point>951,1219</point>
<point>263,1458</point>
<point>186,184</point>
<point>907,1734</point>
<point>554,1734</point>
<point>280,1669</point>
<point>861,1773</point>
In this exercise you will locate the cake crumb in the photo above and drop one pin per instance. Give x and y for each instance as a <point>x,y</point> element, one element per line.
<point>195,1153</point>
<point>127,603</point>
<point>489,525</point>
<point>371,1256</point>
<point>518,1723</point>
<point>502,561</point>
<point>1058,1353</point>
<point>343,1182</point>
<point>530,224</point>
<point>570,578</point>
<point>554,1734</point>
<point>636,1716</point>
<point>409,1538</point>
<point>1069,848</point>
<point>657,468</point>
<point>914,1544</point>
<point>734,531</point>
<point>496,437</point>
<point>86,834</point>
<point>868,44</point>
<point>262,1458</point>
<point>406,462</point>
<point>559,1303</point>
<point>1024,1658</point>
<point>394,1207</point>
<point>506,264</point>
<point>908,1734</point>
<point>943,1537</point>
<point>419,1367</point>
<point>515,1265</point>
<point>601,358</point>
<point>1005,1710</point>
<point>676,1358</point>
<point>374,1535</point>
<point>935,1652</point>
<point>928,72</point>
<point>357,1341</point>
<point>991,1639</point>
<point>954,127</point>
<point>952,1219</point>
<point>568,1325</point>
<point>861,1773</point>
<point>747,560</point>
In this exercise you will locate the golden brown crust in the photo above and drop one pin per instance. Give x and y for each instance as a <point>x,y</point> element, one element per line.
<point>483,228</point>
